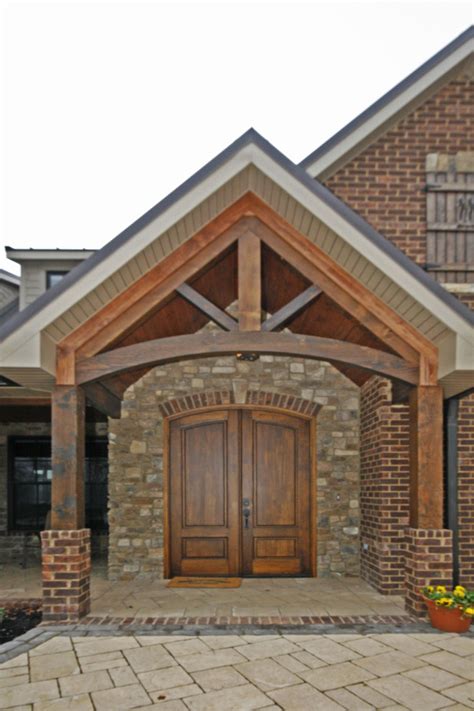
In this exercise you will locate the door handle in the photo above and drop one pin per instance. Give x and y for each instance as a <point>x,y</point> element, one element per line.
<point>246,513</point>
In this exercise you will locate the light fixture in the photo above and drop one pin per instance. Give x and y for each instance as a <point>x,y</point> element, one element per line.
<point>247,356</point>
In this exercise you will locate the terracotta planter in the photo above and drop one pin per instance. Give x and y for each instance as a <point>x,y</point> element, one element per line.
<point>445,619</point>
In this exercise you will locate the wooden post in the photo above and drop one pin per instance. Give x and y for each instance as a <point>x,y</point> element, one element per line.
<point>68,444</point>
<point>250,287</point>
<point>426,457</point>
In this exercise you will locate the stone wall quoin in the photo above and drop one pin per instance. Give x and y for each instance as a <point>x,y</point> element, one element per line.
<point>136,451</point>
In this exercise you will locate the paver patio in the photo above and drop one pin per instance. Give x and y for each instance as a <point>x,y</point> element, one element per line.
<point>257,597</point>
<point>223,672</point>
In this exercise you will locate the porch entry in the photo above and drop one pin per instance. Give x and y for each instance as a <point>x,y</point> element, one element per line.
<point>240,494</point>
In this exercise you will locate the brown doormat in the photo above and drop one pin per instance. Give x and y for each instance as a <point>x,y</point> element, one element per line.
<point>180,582</point>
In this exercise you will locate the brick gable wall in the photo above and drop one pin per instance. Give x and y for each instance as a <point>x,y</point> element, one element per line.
<point>385,183</point>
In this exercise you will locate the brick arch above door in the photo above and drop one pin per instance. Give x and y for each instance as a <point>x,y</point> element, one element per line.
<point>258,398</point>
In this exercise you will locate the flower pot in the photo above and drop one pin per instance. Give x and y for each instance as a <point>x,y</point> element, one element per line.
<point>447,619</point>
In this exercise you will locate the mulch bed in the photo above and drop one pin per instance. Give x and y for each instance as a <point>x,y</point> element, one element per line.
<point>15,620</point>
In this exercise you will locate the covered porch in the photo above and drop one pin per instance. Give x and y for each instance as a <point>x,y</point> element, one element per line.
<point>260,271</point>
<point>294,601</point>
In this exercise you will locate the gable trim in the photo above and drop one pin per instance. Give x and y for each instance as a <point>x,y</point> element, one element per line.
<point>368,125</point>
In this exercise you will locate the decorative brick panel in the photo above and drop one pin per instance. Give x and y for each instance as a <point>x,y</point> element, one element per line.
<point>259,398</point>
<point>66,567</point>
<point>466,490</point>
<point>384,481</point>
<point>429,561</point>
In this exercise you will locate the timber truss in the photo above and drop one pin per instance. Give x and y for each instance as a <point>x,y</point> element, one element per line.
<point>116,340</point>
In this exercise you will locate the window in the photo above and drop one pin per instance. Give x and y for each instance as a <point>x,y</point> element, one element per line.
<point>53,278</point>
<point>30,483</point>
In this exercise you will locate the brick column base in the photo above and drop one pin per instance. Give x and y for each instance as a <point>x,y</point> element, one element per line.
<point>66,566</point>
<point>429,561</point>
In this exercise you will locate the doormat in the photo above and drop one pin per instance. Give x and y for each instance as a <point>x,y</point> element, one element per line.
<point>180,582</point>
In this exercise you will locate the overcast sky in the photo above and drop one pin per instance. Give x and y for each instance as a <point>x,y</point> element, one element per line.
<point>107,107</point>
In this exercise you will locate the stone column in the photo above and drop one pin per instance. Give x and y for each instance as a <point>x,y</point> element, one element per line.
<point>66,574</point>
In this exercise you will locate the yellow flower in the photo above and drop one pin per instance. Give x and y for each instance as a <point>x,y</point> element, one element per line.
<point>446,601</point>
<point>429,588</point>
<point>440,589</point>
<point>459,591</point>
<point>469,611</point>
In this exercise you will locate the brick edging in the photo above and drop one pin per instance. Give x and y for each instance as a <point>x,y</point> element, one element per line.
<point>295,621</point>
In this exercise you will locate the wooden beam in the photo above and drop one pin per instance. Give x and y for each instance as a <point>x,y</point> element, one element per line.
<point>132,306</point>
<point>204,344</point>
<point>291,309</point>
<point>103,400</point>
<point>250,283</point>
<point>207,307</point>
<point>426,457</point>
<point>68,445</point>
<point>341,286</point>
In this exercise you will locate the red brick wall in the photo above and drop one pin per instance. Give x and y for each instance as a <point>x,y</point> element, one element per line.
<point>385,182</point>
<point>385,185</point>
<point>384,481</point>
<point>466,490</point>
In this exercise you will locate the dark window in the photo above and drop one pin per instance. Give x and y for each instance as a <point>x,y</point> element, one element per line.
<point>53,278</point>
<point>30,483</point>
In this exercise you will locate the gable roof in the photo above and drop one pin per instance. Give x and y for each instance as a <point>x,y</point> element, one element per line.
<point>401,99</point>
<point>251,149</point>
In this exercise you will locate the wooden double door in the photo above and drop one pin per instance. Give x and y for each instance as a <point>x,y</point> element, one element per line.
<point>240,494</point>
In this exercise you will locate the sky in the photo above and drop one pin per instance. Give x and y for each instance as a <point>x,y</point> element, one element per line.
<point>106,107</point>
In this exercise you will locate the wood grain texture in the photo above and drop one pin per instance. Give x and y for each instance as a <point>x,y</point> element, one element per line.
<point>426,457</point>
<point>250,282</point>
<point>205,344</point>
<point>103,399</point>
<point>291,309</point>
<point>68,448</point>
<point>217,460</point>
<point>217,315</point>
<point>204,494</point>
<point>276,473</point>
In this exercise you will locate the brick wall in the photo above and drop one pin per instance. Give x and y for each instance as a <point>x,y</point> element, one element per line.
<point>384,486</point>
<point>136,455</point>
<point>466,490</point>
<point>385,183</point>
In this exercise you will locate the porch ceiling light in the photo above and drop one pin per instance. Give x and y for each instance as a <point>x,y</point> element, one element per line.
<point>247,356</point>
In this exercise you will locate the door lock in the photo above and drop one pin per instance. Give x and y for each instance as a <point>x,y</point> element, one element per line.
<point>246,513</point>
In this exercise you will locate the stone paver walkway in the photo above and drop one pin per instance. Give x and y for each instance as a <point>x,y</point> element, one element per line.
<point>224,672</point>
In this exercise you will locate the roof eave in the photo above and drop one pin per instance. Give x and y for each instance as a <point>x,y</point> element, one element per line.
<point>376,118</point>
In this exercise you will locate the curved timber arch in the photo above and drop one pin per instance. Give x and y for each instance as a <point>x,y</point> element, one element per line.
<point>165,350</point>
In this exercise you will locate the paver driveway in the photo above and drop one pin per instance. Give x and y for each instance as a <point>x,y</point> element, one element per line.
<point>224,672</point>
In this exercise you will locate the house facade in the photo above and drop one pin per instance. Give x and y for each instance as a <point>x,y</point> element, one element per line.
<point>270,373</point>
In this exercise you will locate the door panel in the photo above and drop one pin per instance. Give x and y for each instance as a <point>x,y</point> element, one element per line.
<point>205,494</point>
<point>276,482</point>
<point>239,494</point>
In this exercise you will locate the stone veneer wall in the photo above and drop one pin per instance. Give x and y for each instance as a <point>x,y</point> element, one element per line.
<point>136,455</point>
<point>11,543</point>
